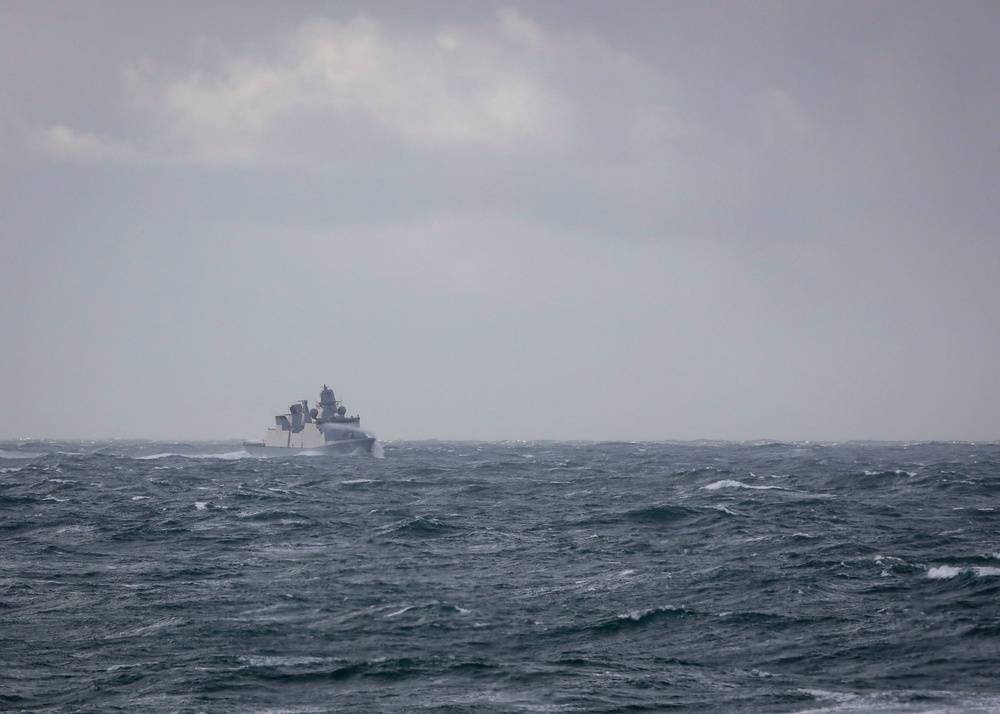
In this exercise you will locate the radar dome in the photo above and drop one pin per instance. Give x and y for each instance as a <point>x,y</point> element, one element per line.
<point>314,413</point>
<point>342,411</point>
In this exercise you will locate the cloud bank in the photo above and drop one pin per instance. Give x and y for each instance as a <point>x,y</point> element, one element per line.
<point>331,84</point>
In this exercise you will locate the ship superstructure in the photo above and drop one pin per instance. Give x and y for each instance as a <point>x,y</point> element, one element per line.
<point>327,429</point>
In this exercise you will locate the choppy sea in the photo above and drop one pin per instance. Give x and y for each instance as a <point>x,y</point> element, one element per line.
<point>501,577</point>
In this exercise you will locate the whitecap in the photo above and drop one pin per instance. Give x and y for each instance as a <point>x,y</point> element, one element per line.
<point>399,612</point>
<point>944,572</point>
<point>128,665</point>
<point>729,483</point>
<point>75,530</point>
<point>724,484</point>
<point>831,696</point>
<point>278,661</point>
<point>228,456</point>
<point>4,454</point>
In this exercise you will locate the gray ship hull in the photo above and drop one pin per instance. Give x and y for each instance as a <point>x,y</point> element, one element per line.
<point>340,446</point>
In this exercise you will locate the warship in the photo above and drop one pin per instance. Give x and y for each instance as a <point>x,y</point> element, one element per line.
<point>327,430</point>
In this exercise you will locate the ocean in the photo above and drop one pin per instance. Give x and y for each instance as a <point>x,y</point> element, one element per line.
<point>501,577</point>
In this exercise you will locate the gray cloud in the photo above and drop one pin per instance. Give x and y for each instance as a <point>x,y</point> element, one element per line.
<point>687,220</point>
<point>329,83</point>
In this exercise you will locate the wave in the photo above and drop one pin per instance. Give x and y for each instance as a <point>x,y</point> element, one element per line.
<point>891,473</point>
<point>423,526</point>
<point>911,701</point>
<point>301,670</point>
<point>729,483</point>
<point>434,607</point>
<point>5,454</point>
<point>947,572</point>
<point>228,456</point>
<point>662,514</point>
<point>636,618</point>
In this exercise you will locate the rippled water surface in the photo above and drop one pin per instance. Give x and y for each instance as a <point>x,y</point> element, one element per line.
<point>513,577</point>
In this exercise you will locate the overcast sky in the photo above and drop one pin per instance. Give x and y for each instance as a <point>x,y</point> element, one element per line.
<point>547,220</point>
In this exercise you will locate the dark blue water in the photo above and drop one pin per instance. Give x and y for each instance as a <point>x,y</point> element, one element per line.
<point>539,577</point>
